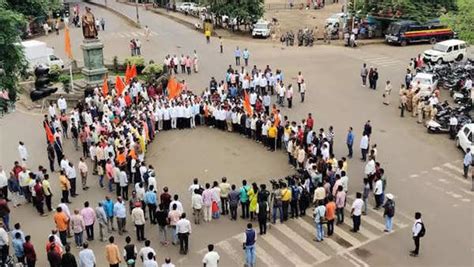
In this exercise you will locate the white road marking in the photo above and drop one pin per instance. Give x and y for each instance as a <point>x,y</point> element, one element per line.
<point>304,244</point>
<point>443,181</point>
<point>134,34</point>
<point>414,175</point>
<point>456,177</point>
<point>262,254</point>
<point>454,168</point>
<point>228,249</point>
<point>284,250</point>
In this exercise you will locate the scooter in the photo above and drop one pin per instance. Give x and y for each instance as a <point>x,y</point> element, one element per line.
<point>435,127</point>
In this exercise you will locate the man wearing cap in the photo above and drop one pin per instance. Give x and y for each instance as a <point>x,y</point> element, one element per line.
<point>389,212</point>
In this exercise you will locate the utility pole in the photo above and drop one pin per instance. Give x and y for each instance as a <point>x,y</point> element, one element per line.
<point>136,8</point>
<point>105,3</point>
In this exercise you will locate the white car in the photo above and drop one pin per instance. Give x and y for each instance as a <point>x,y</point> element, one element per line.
<point>261,29</point>
<point>336,18</point>
<point>446,51</point>
<point>186,6</point>
<point>464,137</point>
<point>426,82</point>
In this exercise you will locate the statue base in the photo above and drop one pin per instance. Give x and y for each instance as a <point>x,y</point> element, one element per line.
<point>94,69</point>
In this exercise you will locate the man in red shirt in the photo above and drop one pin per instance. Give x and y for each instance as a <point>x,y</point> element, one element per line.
<point>309,122</point>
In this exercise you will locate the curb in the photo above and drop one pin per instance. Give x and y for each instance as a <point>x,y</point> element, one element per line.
<point>123,16</point>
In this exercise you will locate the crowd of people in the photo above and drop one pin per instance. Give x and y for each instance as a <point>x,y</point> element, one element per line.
<point>113,133</point>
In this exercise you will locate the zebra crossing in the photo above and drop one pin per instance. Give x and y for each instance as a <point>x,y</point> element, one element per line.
<point>445,175</point>
<point>291,243</point>
<point>127,35</point>
<point>373,59</point>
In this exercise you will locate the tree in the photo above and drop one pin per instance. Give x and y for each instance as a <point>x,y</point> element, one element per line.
<point>245,11</point>
<point>417,10</point>
<point>12,59</point>
<point>33,8</point>
<point>462,20</point>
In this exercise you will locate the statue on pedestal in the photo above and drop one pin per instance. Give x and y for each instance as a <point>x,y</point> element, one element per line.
<point>88,25</point>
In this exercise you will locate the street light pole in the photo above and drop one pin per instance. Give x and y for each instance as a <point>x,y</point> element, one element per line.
<point>136,8</point>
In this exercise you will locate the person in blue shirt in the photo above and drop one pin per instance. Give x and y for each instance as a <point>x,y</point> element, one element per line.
<point>237,55</point>
<point>150,201</point>
<point>109,211</point>
<point>17,244</point>
<point>350,142</point>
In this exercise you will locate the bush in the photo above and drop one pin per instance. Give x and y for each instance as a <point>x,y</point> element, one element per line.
<point>152,71</point>
<point>139,62</point>
<point>54,73</point>
<point>66,81</point>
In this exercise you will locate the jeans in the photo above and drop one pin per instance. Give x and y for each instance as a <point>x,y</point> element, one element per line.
<point>319,231</point>
<point>163,233</point>
<point>90,232</point>
<point>250,257</point>
<point>78,239</point>
<point>183,242</point>
<point>63,237</point>
<point>364,208</point>
<point>233,212</point>
<point>274,212</point>
<point>6,222</point>
<point>174,234</point>
<point>466,170</point>
<point>121,225</point>
<point>364,153</point>
<point>110,224</point>
<point>151,211</point>
<point>340,215</point>
<point>349,147</point>
<point>356,222</point>
<point>245,209</point>
<point>388,223</point>
<point>330,227</point>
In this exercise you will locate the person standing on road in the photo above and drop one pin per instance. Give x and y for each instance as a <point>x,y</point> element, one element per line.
<point>319,218</point>
<point>386,94</point>
<point>23,152</point>
<point>225,189</point>
<point>418,231</point>
<point>112,253</point>
<point>364,146</point>
<point>86,256</point>
<point>101,220</point>
<point>289,96</point>
<point>120,212</point>
<point>356,212</point>
<point>302,90</point>
<point>363,74</point>
<point>244,199</point>
<point>89,216</point>
<point>237,55</point>
<point>183,228</point>
<point>221,45</point>
<point>147,33</point>
<point>453,125</point>
<point>211,259</point>
<point>331,214</point>
<point>102,24</point>
<point>389,212</point>
<point>138,218</point>
<point>249,238</point>
<point>340,204</point>
<point>30,253</point>
<point>234,199</point>
<point>349,142</point>
<point>467,161</point>
<point>246,55</point>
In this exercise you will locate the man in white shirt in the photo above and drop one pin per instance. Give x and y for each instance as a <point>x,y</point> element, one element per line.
<point>183,228</point>
<point>62,104</point>
<point>378,193</point>
<point>179,206</point>
<point>356,212</point>
<point>23,152</point>
<point>196,203</point>
<point>167,263</point>
<point>145,251</point>
<point>3,242</point>
<point>211,259</point>
<point>86,256</point>
<point>417,233</point>
<point>364,146</point>
<point>150,261</point>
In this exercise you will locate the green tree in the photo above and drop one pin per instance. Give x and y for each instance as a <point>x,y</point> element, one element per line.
<point>462,20</point>
<point>33,8</point>
<point>12,59</point>
<point>246,11</point>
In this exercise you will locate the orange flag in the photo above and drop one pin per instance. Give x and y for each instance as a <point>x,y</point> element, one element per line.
<point>172,88</point>
<point>49,134</point>
<point>133,71</point>
<point>127,74</point>
<point>119,85</point>
<point>105,87</point>
<point>247,106</point>
<point>276,122</point>
<point>67,42</point>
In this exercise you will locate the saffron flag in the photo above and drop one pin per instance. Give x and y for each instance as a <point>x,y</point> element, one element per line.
<point>49,134</point>
<point>105,87</point>
<point>173,88</point>
<point>67,42</point>
<point>133,71</point>
<point>119,85</point>
<point>276,122</point>
<point>127,74</point>
<point>247,106</point>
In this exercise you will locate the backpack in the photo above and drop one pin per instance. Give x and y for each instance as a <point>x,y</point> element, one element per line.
<point>295,192</point>
<point>422,231</point>
<point>391,209</point>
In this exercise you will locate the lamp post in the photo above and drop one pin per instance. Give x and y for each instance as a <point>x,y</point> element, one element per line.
<point>136,9</point>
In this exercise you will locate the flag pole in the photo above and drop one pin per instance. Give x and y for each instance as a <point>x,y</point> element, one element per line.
<point>70,74</point>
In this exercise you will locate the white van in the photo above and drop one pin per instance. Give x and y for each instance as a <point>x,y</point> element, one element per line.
<point>261,29</point>
<point>446,51</point>
<point>38,53</point>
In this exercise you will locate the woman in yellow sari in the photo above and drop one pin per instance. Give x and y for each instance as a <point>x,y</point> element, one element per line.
<point>253,196</point>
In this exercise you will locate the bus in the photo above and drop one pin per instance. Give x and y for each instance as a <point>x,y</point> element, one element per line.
<point>406,32</point>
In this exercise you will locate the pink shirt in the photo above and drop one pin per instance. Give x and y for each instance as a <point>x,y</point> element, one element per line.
<point>207,197</point>
<point>189,62</point>
<point>88,215</point>
<point>340,199</point>
<point>109,170</point>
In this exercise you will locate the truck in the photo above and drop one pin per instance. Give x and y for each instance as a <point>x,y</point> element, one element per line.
<point>38,53</point>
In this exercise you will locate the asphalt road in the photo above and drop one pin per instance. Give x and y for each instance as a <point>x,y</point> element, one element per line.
<point>423,170</point>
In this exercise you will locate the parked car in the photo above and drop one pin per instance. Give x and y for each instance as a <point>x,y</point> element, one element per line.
<point>427,82</point>
<point>336,18</point>
<point>446,51</point>
<point>464,138</point>
<point>261,29</point>
<point>186,7</point>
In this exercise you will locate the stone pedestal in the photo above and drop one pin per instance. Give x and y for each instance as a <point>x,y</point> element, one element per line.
<point>94,69</point>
